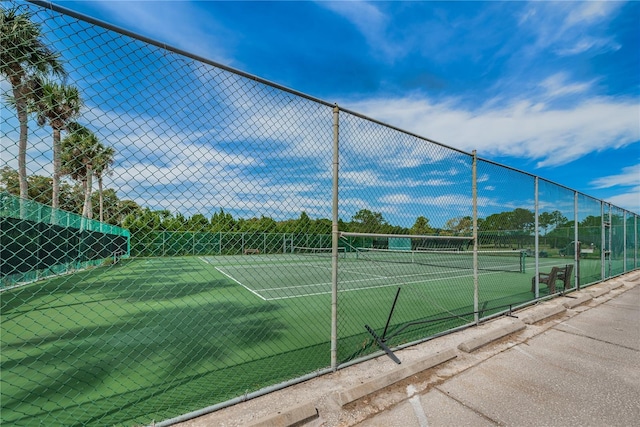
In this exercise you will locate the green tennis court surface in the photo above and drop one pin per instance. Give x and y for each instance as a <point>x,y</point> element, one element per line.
<point>149,339</point>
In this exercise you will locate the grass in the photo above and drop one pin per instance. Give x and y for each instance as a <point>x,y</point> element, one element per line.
<point>150,339</point>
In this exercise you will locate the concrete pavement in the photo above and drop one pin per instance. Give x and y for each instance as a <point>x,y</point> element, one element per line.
<point>584,371</point>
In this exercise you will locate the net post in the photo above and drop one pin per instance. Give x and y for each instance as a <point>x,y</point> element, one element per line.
<point>474,195</point>
<point>335,237</point>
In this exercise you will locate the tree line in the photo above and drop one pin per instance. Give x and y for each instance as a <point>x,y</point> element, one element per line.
<point>37,77</point>
<point>128,214</point>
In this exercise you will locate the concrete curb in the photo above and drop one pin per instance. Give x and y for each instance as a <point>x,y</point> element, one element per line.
<point>578,301</point>
<point>595,293</point>
<point>294,416</point>
<point>354,393</point>
<point>616,285</point>
<point>541,313</point>
<point>490,336</point>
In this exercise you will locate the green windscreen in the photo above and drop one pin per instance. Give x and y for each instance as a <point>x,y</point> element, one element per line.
<point>37,241</point>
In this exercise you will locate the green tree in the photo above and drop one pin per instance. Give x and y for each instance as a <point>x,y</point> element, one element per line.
<point>323,226</point>
<point>173,223</point>
<point>123,209</point>
<point>221,221</point>
<point>57,105</point>
<point>79,153</point>
<point>9,180</point>
<point>460,226</point>
<point>557,219</point>
<point>143,222</point>
<point>102,166</point>
<point>421,226</point>
<point>198,222</point>
<point>545,219</point>
<point>304,223</point>
<point>592,221</point>
<point>40,188</point>
<point>24,59</point>
<point>522,220</point>
<point>365,221</point>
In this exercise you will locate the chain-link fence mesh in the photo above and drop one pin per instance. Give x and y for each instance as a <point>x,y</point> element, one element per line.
<point>168,234</point>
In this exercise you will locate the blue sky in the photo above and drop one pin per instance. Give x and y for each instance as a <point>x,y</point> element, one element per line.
<point>550,88</point>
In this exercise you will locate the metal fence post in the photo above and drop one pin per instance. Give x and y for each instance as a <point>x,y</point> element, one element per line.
<point>474,196</point>
<point>602,241</point>
<point>536,244</point>
<point>335,235</point>
<point>624,242</point>
<point>576,242</point>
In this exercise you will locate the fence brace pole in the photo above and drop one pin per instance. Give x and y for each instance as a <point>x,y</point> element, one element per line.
<point>474,196</point>
<point>335,236</point>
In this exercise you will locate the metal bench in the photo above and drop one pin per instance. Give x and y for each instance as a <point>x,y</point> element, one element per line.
<point>550,279</point>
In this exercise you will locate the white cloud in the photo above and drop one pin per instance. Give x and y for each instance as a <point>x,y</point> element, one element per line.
<point>588,12</point>
<point>520,129</point>
<point>629,200</point>
<point>363,15</point>
<point>188,23</point>
<point>570,28</point>
<point>630,176</point>
<point>588,43</point>
<point>558,85</point>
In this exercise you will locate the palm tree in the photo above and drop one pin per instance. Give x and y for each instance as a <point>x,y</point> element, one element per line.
<point>102,165</point>
<point>57,105</point>
<point>78,156</point>
<point>23,56</point>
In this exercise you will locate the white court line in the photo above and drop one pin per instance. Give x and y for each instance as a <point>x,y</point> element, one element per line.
<point>404,276</point>
<point>364,274</point>
<point>373,278</point>
<point>368,287</point>
<point>328,284</point>
<point>250,290</point>
<point>373,287</point>
<point>278,265</point>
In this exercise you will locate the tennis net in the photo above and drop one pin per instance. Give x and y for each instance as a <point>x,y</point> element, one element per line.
<point>513,260</point>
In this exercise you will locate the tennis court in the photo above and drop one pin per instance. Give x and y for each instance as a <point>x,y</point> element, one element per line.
<point>277,277</point>
<point>120,340</point>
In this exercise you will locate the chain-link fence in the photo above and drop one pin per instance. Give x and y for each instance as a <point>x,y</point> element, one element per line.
<point>174,236</point>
